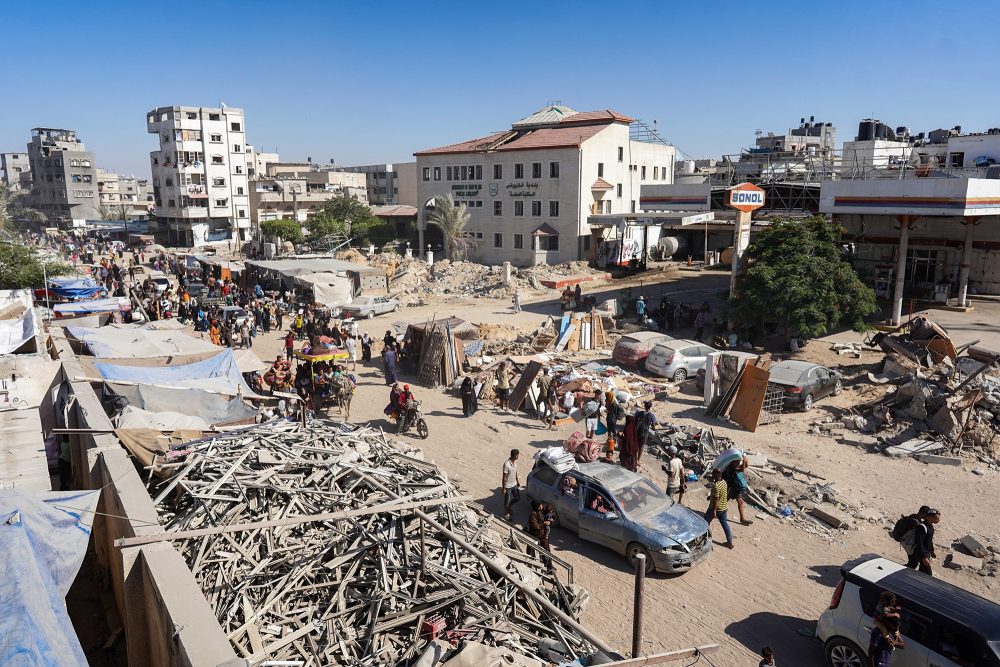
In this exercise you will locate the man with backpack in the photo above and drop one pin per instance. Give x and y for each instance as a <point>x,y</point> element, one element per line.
<point>915,533</point>
<point>645,420</point>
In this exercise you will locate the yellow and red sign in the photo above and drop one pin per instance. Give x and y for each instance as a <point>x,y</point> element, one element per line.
<point>745,197</point>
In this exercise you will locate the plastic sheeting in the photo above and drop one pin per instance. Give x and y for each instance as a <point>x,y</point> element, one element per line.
<point>138,343</point>
<point>43,539</point>
<point>329,289</point>
<point>211,408</point>
<point>111,305</point>
<point>75,288</point>
<point>132,418</point>
<point>15,333</point>
<point>218,374</point>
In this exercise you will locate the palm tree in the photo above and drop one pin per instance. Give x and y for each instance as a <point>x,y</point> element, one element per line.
<point>12,210</point>
<point>451,219</point>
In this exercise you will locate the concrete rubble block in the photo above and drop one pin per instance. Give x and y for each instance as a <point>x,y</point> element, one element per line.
<point>940,460</point>
<point>756,460</point>
<point>944,423</point>
<point>913,447</point>
<point>956,560</point>
<point>974,546</point>
<point>858,439</point>
<point>831,516</point>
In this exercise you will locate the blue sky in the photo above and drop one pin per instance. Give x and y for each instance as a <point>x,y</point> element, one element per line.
<point>368,82</point>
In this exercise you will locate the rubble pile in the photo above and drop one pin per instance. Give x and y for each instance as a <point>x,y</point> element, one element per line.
<point>330,545</point>
<point>930,400</point>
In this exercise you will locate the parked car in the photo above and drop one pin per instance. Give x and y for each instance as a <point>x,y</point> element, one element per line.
<point>640,518</point>
<point>370,306</point>
<point>942,624</point>
<point>162,283</point>
<point>677,359</point>
<point>632,350</point>
<point>195,288</point>
<point>804,382</point>
<point>231,311</point>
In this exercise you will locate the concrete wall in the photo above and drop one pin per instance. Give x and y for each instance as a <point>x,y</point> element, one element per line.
<point>167,620</point>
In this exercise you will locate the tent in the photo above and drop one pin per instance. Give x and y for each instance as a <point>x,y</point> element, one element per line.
<point>138,342</point>
<point>43,539</point>
<point>75,288</point>
<point>18,325</point>
<point>219,374</point>
<point>110,305</point>
<point>211,409</point>
<point>328,289</point>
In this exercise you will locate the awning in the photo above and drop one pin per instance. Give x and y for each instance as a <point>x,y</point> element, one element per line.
<point>601,184</point>
<point>218,374</point>
<point>545,230</point>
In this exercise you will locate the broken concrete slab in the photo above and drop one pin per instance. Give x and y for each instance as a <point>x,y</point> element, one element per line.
<point>831,516</point>
<point>956,560</point>
<point>913,447</point>
<point>940,460</point>
<point>858,439</point>
<point>756,460</point>
<point>944,423</point>
<point>973,546</point>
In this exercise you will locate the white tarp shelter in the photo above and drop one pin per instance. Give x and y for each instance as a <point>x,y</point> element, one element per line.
<point>328,289</point>
<point>128,342</point>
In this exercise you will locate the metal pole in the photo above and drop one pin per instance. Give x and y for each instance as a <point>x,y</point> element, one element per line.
<point>897,293</point>
<point>963,270</point>
<point>640,578</point>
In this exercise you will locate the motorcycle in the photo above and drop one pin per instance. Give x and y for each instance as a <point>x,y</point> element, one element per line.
<point>412,416</point>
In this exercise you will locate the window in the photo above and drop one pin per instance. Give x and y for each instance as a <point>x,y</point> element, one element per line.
<point>237,148</point>
<point>600,170</point>
<point>498,240</point>
<point>191,115</point>
<point>498,208</point>
<point>633,206</point>
<point>642,172</point>
<point>215,138</point>
<point>427,173</point>
<point>84,163</point>
<point>518,170</point>
<point>663,172</point>
<point>618,190</point>
<point>553,170</point>
<point>221,202</point>
<point>553,209</point>
<point>656,174</point>
<point>170,203</point>
<point>76,178</point>
<point>956,159</point>
<point>479,203</point>
<point>465,172</point>
<point>447,173</point>
<point>479,172</point>
<point>437,173</point>
<point>234,127</point>
<point>548,243</point>
<point>218,159</point>
<point>621,154</point>
<point>239,169</point>
<point>536,208</point>
<point>497,172</point>
<point>242,213</point>
<point>586,243</point>
<point>213,116</point>
<point>169,182</point>
<point>518,208</point>
<point>239,190</point>
<point>518,245</point>
<point>218,181</point>
<point>536,169</point>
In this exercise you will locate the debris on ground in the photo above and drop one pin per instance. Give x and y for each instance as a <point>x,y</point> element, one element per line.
<point>329,543</point>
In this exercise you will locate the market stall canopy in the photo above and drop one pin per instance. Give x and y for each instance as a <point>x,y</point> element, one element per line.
<point>138,342</point>
<point>328,289</point>
<point>43,539</point>
<point>211,409</point>
<point>219,374</point>
<point>111,305</point>
<point>75,288</point>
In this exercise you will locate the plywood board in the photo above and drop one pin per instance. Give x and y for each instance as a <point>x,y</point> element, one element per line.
<point>521,388</point>
<point>750,397</point>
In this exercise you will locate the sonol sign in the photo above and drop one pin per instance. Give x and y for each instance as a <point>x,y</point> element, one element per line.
<point>745,197</point>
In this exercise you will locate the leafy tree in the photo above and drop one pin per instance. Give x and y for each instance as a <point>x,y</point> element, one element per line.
<point>22,267</point>
<point>12,208</point>
<point>798,279</point>
<point>343,215</point>
<point>451,219</point>
<point>286,230</point>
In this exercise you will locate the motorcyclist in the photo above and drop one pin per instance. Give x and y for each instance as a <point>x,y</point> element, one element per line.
<point>406,405</point>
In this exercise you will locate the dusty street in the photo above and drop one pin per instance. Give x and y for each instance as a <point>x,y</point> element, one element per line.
<point>771,588</point>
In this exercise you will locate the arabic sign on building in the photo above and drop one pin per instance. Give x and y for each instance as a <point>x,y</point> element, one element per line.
<point>522,189</point>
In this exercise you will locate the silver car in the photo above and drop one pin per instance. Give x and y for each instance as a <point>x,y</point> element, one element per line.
<point>678,359</point>
<point>637,517</point>
<point>370,306</point>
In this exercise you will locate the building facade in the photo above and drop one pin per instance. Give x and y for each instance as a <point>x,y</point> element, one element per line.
<point>390,183</point>
<point>529,190</point>
<point>200,175</point>
<point>16,169</point>
<point>116,191</point>
<point>63,177</point>
<point>296,190</point>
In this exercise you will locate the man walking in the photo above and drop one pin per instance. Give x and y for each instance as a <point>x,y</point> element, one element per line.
<point>352,353</point>
<point>699,325</point>
<point>718,505</point>
<point>919,541</point>
<point>517,301</point>
<point>510,484</point>
<point>592,413</point>
<point>640,309</point>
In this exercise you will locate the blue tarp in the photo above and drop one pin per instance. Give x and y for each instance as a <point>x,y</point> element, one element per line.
<point>218,374</point>
<point>110,305</point>
<point>43,539</point>
<point>75,288</point>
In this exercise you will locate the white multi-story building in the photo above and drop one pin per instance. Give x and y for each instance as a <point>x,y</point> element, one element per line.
<point>297,190</point>
<point>199,175</point>
<point>530,189</point>
<point>389,183</point>
<point>124,194</point>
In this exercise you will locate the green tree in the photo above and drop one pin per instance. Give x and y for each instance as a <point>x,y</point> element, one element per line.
<point>798,279</point>
<point>12,208</point>
<point>451,219</point>
<point>343,215</point>
<point>286,230</point>
<point>22,267</point>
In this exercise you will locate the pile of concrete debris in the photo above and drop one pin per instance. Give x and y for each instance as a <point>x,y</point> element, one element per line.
<point>328,544</point>
<point>931,399</point>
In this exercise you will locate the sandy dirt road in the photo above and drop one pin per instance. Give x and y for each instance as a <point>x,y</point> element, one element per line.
<point>770,589</point>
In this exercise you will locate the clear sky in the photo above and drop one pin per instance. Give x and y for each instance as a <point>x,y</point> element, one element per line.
<point>368,82</point>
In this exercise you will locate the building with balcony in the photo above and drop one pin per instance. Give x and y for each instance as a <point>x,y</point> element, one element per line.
<point>64,177</point>
<point>296,190</point>
<point>200,175</point>
<point>530,189</point>
<point>390,183</point>
<point>16,169</point>
<point>117,191</point>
